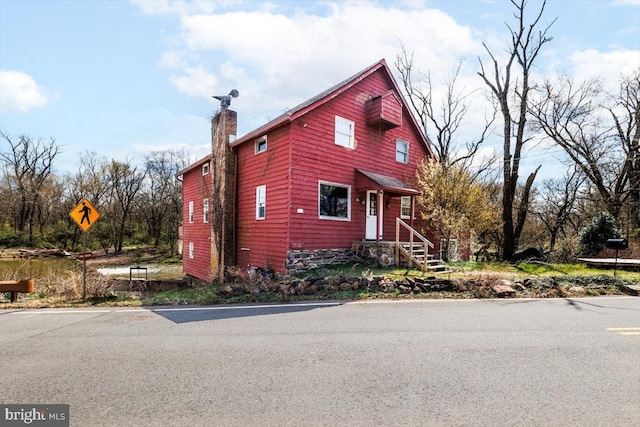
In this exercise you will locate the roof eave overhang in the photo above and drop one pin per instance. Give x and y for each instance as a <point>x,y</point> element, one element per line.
<point>195,165</point>
<point>368,181</point>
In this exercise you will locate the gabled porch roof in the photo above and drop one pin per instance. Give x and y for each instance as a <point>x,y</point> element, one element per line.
<point>366,180</point>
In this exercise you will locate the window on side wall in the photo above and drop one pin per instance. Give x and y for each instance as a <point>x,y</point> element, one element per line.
<point>334,201</point>
<point>345,132</point>
<point>191,250</point>
<point>405,207</point>
<point>205,211</point>
<point>205,169</point>
<point>261,144</point>
<point>191,212</point>
<point>452,253</point>
<point>402,151</point>
<point>261,202</point>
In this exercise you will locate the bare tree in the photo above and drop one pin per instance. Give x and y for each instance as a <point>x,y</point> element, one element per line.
<point>91,182</point>
<point>443,118</point>
<point>600,133</point>
<point>628,130</point>
<point>557,204</point>
<point>511,93</point>
<point>28,164</point>
<point>160,190</point>
<point>126,182</point>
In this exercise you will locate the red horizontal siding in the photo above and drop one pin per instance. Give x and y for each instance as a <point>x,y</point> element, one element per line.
<point>266,239</point>
<point>316,157</point>
<point>196,188</point>
<point>302,153</point>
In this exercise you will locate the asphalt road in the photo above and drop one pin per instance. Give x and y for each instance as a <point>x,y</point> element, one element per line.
<point>564,362</point>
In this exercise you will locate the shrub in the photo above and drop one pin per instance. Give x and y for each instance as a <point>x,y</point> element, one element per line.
<point>594,236</point>
<point>566,251</point>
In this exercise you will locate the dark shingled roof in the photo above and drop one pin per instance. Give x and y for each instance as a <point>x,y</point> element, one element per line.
<point>389,183</point>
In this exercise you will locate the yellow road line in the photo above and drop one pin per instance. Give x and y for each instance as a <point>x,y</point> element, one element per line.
<point>623,329</point>
<point>629,333</point>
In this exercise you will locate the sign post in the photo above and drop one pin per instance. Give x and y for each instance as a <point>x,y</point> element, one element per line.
<point>85,215</point>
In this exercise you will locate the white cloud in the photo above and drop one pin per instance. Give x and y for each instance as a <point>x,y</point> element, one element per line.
<point>19,92</point>
<point>628,2</point>
<point>173,59</point>
<point>297,56</point>
<point>196,81</point>
<point>611,65</point>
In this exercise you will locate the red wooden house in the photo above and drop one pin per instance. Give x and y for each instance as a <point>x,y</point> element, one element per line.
<point>315,184</point>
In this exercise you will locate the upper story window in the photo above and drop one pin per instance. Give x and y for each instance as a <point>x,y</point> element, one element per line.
<point>261,202</point>
<point>402,151</point>
<point>205,168</point>
<point>345,132</point>
<point>205,211</point>
<point>191,212</point>
<point>334,201</point>
<point>261,144</point>
<point>405,207</point>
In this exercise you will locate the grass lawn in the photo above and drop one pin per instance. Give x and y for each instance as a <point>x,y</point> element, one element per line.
<point>353,281</point>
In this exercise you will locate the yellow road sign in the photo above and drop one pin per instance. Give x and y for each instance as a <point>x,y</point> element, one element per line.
<point>84,214</point>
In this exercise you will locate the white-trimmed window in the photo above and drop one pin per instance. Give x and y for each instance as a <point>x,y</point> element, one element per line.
<point>205,169</point>
<point>191,250</point>
<point>405,207</point>
<point>345,132</point>
<point>261,202</point>
<point>402,151</point>
<point>205,211</point>
<point>261,144</point>
<point>334,201</point>
<point>452,253</point>
<point>191,212</point>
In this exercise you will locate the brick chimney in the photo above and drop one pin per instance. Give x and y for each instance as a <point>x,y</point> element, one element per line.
<point>223,131</point>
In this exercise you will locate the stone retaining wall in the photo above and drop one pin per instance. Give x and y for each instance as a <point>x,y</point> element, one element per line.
<point>308,259</point>
<point>378,254</point>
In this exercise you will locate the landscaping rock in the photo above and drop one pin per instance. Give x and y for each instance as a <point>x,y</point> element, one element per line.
<point>503,290</point>
<point>631,289</point>
<point>345,286</point>
<point>404,289</point>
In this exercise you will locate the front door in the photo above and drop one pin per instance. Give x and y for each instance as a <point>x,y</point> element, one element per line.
<point>372,220</point>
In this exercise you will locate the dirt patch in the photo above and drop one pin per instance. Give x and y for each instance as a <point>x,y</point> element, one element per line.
<point>120,285</point>
<point>126,257</point>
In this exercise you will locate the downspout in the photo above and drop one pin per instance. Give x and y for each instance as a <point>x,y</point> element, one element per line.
<point>234,214</point>
<point>379,214</point>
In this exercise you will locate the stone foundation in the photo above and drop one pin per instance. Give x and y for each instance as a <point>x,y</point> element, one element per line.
<point>378,254</point>
<point>308,259</point>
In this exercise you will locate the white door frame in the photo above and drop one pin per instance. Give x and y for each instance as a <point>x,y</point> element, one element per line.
<point>373,215</point>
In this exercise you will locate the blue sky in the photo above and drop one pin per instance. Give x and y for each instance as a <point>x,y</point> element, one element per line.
<point>123,78</point>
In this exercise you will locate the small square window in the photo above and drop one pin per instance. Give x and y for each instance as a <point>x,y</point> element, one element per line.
<point>345,132</point>
<point>261,144</point>
<point>205,169</point>
<point>402,151</point>
<point>261,202</point>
